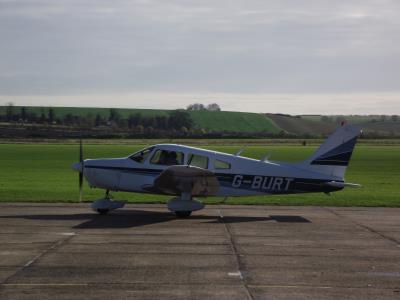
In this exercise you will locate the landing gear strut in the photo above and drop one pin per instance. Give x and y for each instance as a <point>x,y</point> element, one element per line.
<point>104,211</point>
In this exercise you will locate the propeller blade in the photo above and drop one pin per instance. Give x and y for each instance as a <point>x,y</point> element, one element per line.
<point>81,171</point>
<point>80,151</point>
<point>80,186</point>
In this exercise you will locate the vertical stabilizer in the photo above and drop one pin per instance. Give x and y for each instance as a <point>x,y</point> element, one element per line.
<point>333,156</point>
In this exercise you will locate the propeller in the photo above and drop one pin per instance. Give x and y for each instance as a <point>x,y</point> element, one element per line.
<point>81,170</point>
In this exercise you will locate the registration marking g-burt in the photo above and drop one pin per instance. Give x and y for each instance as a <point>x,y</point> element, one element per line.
<point>264,182</point>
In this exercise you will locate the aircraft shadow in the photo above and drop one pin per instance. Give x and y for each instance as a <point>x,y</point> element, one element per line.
<point>137,218</point>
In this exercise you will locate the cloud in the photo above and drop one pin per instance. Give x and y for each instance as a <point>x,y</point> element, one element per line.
<point>61,48</point>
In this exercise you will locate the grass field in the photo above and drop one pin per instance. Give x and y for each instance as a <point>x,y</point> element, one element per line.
<point>42,172</point>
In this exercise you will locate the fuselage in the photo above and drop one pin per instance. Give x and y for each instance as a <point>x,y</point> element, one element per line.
<point>237,175</point>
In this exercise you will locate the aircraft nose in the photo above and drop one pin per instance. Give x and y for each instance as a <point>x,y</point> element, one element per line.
<point>77,166</point>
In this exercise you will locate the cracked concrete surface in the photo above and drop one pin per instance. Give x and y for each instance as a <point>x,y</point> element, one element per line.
<point>64,251</point>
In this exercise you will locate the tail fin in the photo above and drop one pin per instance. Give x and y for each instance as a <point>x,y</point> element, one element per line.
<point>333,157</point>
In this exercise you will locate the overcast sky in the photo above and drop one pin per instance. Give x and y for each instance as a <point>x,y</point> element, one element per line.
<point>296,57</point>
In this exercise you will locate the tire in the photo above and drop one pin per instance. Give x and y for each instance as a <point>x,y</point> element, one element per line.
<point>103,211</point>
<point>183,213</point>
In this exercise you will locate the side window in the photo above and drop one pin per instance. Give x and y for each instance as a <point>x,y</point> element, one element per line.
<point>198,161</point>
<point>219,164</point>
<point>142,155</point>
<point>167,158</point>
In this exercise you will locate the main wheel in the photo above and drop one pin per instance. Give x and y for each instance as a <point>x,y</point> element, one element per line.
<point>183,213</point>
<point>103,211</point>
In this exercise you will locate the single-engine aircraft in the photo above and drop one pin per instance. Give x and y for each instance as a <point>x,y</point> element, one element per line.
<point>188,172</point>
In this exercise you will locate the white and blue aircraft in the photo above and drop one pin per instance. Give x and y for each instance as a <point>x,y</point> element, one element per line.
<point>188,172</point>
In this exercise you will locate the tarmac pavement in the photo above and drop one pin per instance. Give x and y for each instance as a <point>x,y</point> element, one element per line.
<point>64,251</point>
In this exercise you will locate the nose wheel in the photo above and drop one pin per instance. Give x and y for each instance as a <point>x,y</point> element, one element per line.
<point>105,205</point>
<point>183,213</point>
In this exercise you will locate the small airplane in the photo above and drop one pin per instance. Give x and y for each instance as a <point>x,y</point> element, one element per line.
<point>188,172</point>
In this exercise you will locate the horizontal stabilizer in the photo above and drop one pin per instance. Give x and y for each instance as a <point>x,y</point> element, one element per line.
<point>339,184</point>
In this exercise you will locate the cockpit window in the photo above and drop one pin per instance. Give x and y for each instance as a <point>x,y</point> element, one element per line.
<point>198,161</point>
<point>167,158</point>
<point>142,155</point>
<point>219,164</point>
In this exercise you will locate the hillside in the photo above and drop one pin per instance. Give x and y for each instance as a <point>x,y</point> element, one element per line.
<point>84,111</point>
<point>234,121</point>
<point>356,119</point>
<point>210,120</point>
<point>302,126</point>
<point>373,125</point>
<point>217,123</point>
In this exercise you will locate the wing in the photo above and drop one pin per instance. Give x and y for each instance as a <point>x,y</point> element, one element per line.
<point>195,181</point>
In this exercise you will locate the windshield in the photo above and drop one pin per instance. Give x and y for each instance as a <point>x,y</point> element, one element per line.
<point>142,155</point>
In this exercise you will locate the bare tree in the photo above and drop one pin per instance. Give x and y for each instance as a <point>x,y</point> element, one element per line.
<point>10,111</point>
<point>213,107</point>
<point>196,106</point>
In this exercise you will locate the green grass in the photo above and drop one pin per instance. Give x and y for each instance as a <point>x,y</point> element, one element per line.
<point>42,172</point>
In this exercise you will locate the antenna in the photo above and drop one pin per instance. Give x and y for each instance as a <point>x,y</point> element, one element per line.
<point>240,151</point>
<point>265,157</point>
